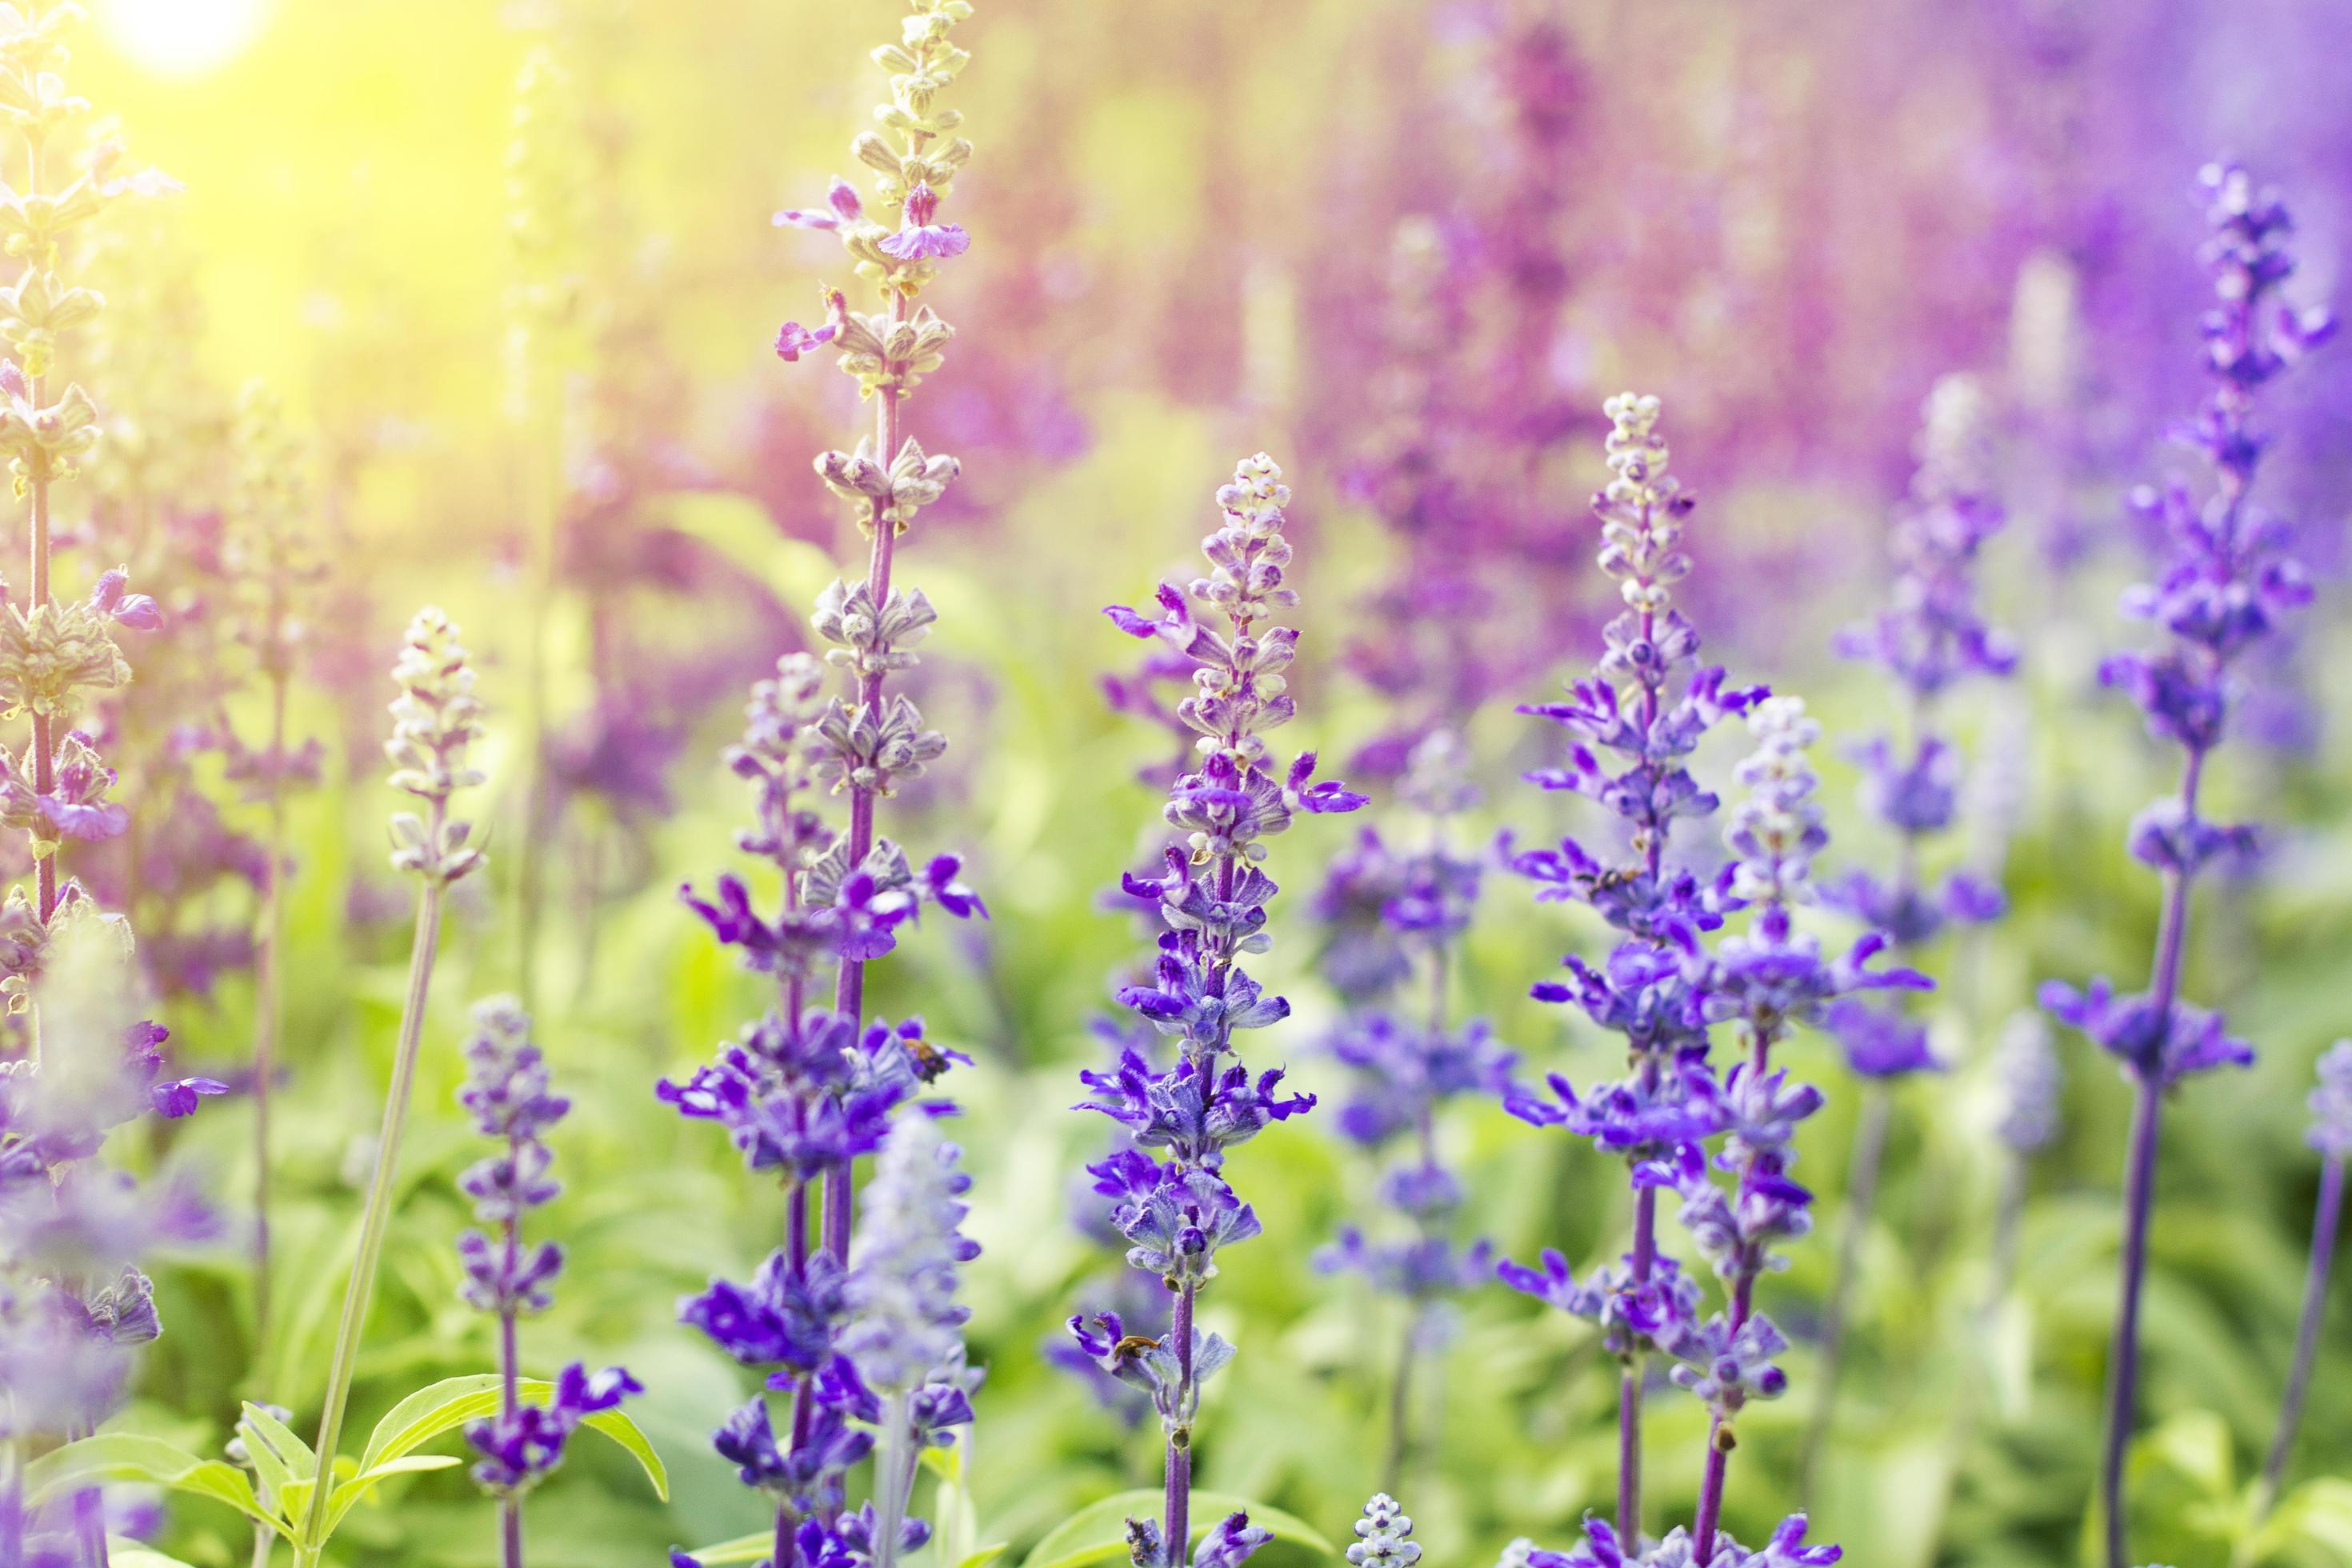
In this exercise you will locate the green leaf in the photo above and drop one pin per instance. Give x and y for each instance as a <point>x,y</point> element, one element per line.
<point>453,1401</point>
<point>123,1554</point>
<point>749,1548</point>
<point>281,1439</point>
<point>350,1491</point>
<point>623,1431</point>
<point>125,1456</point>
<point>427,1414</point>
<point>281,1460</point>
<point>984,1556</point>
<point>1098,1532</point>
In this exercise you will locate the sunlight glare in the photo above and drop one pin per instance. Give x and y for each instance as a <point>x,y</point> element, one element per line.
<point>182,37</point>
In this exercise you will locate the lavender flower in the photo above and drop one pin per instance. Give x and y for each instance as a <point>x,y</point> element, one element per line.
<point>507,1094</point>
<point>1650,988</point>
<point>54,656</point>
<point>2229,579</point>
<point>1394,918</point>
<point>436,719</point>
<point>1931,638</point>
<point>809,1090</point>
<point>1383,1537</point>
<point>1765,982</point>
<point>1171,1198</point>
<point>873,742</point>
<point>905,1332</point>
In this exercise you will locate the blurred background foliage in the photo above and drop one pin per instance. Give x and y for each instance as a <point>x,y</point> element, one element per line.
<point>1788,219</point>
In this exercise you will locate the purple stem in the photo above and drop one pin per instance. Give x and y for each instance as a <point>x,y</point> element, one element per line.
<point>2324,1225</point>
<point>1719,1443</point>
<point>509,1374</point>
<point>849,988</point>
<point>1176,1511</point>
<point>1628,1389</point>
<point>2139,1190</point>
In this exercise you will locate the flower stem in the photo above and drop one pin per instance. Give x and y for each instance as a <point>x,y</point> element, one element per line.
<point>377,1217</point>
<point>894,1479</point>
<point>1629,1388</point>
<point>849,987</point>
<point>2139,1186</point>
<point>2324,1222</point>
<point>511,1374</point>
<point>1176,1510</point>
<point>1862,1182</point>
<point>2123,1380</point>
<point>1719,1444</point>
<point>1401,1406</point>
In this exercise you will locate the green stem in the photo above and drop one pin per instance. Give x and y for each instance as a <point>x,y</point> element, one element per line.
<point>312,1537</point>
<point>894,1479</point>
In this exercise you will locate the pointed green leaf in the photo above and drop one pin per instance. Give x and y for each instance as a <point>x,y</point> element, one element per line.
<point>121,1554</point>
<point>352,1491</point>
<point>984,1556</point>
<point>124,1456</point>
<point>281,1439</point>
<point>453,1401</point>
<point>752,1547</point>
<point>427,1414</point>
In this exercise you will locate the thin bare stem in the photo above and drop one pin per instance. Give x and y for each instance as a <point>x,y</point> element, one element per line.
<point>376,1220</point>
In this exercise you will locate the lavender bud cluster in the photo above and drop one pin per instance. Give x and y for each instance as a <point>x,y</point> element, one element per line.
<point>1171,1200</point>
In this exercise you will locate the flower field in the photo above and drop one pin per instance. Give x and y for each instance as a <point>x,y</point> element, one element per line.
<point>1016,783</point>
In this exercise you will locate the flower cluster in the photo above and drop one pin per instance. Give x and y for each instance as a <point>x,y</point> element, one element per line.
<point>1650,989</point>
<point>1171,1199</point>
<point>1383,1536</point>
<point>1393,917</point>
<point>1663,987</point>
<point>74,1303</point>
<point>1931,636</point>
<point>507,1094</point>
<point>810,1089</point>
<point>1603,1548</point>
<point>2228,579</point>
<point>872,1351</point>
<point>435,719</point>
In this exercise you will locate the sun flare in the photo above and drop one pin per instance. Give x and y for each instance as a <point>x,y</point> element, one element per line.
<point>183,38</point>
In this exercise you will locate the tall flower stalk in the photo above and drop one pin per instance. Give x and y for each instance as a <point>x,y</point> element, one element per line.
<point>1171,1198</point>
<point>877,738</point>
<point>435,719</point>
<point>1931,638</point>
<point>273,562</point>
<point>2228,578</point>
<point>509,1096</point>
<point>1644,991</point>
<point>1395,916</point>
<point>545,201</point>
<point>1765,983</point>
<point>54,657</point>
<point>810,1089</point>
<point>2331,1134</point>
